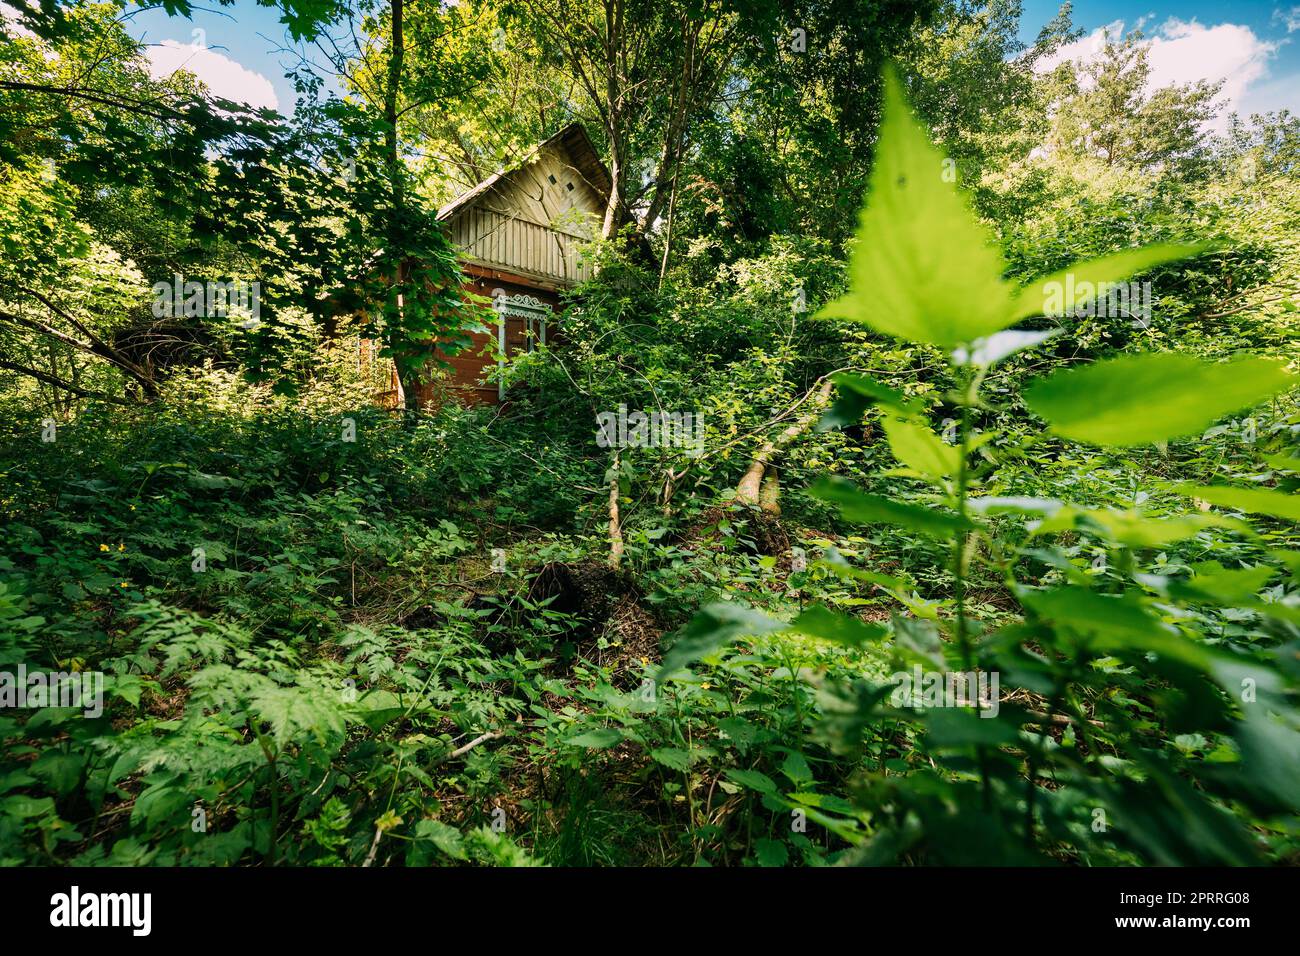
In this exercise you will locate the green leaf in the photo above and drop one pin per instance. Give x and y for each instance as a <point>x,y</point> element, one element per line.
<point>1088,612</point>
<point>796,768</point>
<point>24,807</point>
<point>924,269</point>
<point>60,771</point>
<point>1262,501</point>
<point>921,449</point>
<point>854,395</point>
<point>1062,293</point>
<point>960,728</point>
<point>1140,399</point>
<point>1284,463</point>
<point>995,504</point>
<point>672,758</point>
<point>739,730</point>
<point>1000,345</point>
<point>1133,529</point>
<point>201,479</point>
<point>753,779</point>
<point>820,621</point>
<point>1270,753</point>
<point>1120,624</point>
<point>1228,586</point>
<point>771,852</point>
<point>713,627</point>
<point>861,507</point>
<point>596,739</point>
<point>447,839</point>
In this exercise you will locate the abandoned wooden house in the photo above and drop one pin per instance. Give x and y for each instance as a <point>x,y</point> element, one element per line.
<point>519,233</point>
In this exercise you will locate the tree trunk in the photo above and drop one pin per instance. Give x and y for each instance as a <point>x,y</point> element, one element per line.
<point>408,378</point>
<point>92,343</point>
<point>615,527</point>
<point>749,490</point>
<point>614,119</point>
<point>770,493</point>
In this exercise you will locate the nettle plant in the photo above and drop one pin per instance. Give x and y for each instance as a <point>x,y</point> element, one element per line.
<point>1123,734</point>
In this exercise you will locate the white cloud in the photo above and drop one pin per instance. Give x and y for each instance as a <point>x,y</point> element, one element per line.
<point>1289,17</point>
<point>11,23</point>
<point>1186,51</point>
<point>1085,48</point>
<point>223,76</point>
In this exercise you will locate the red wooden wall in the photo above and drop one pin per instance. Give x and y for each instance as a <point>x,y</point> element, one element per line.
<point>470,367</point>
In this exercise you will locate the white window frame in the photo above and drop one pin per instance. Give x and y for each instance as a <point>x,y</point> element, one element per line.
<point>528,307</point>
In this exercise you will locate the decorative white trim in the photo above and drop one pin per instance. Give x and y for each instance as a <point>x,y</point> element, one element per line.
<point>522,305</point>
<point>528,307</point>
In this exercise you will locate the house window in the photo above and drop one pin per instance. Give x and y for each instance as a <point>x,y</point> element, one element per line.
<point>532,310</point>
<point>569,187</point>
<point>552,180</point>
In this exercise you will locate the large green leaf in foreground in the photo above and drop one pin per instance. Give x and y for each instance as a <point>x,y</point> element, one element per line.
<point>712,628</point>
<point>862,508</point>
<point>925,268</point>
<point>1075,286</point>
<point>1140,399</point>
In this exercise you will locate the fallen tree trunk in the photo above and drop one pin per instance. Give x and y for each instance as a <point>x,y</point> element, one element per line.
<point>770,493</point>
<point>750,490</point>
<point>615,528</point>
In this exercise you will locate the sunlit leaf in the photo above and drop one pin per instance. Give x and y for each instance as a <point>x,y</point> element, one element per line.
<point>820,621</point>
<point>1000,345</point>
<point>854,395</point>
<point>924,268</point>
<point>1262,501</point>
<point>861,507</point>
<point>597,739</point>
<point>920,449</point>
<point>1062,293</point>
<point>712,628</point>
<point>1140,399</point>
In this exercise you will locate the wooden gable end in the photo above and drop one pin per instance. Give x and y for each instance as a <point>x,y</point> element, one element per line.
<point>532,220</point>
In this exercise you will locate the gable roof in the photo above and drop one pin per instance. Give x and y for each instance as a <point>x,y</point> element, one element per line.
<point>575,142</point>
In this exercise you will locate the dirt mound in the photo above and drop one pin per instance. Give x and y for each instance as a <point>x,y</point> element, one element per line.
<point>606,602</point>
<point>587,589</point>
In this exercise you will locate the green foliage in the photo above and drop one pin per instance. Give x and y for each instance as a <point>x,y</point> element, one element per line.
<point>334,636</point>
<point>1139,399</point>
<point>1111,664</point>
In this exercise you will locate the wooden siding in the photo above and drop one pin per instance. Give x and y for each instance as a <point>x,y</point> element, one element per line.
<point>465,381</point>
<point>489,237</point>
<point>533,220</point>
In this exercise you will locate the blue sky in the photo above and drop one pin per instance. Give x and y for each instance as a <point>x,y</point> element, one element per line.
<point>1253,45</point>
<point>250,37</point>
